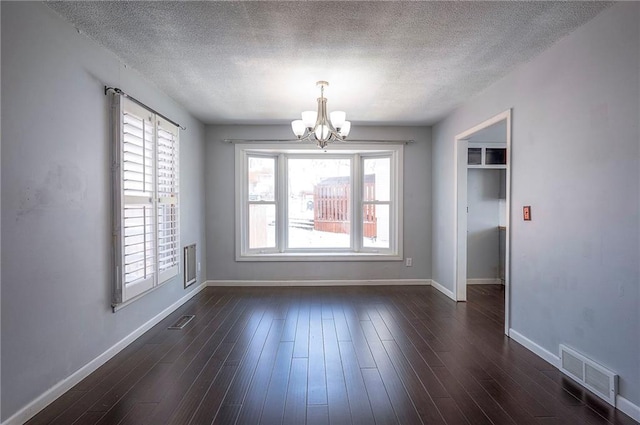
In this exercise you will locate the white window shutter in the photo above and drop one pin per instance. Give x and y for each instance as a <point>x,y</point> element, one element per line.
<point>168,207</point>
<point>146,220</point>
<point>138,218</point>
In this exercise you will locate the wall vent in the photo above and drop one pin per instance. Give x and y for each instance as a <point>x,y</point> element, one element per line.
<point>189,265</point>
<point>182,322</point>
<point>589,374</point>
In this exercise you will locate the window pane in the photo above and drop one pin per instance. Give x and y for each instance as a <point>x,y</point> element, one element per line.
<point>262,226</point>
<point>377,179</point>
<point>496,156</point>
<point>474,156</point>
<point>262,179</point>
<point>375,226</point>
<point>319,196</point>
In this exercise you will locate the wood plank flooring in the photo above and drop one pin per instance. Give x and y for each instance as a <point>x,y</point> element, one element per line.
<point>347,355</point>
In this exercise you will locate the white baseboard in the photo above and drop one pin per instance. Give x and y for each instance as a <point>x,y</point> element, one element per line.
<point>628,408</point>
<point>442,289</point>
<point>622,404</point>
<point>484,281</point>
<point>535,348</point>
<point>367,282</point>
<point>46,398</point>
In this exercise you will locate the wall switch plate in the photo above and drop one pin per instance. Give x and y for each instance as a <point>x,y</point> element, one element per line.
<point>198,265</point>
<point>526,212</point>
<point>408,262</point>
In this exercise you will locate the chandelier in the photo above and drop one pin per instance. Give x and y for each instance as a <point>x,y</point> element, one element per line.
<point>317,127</point>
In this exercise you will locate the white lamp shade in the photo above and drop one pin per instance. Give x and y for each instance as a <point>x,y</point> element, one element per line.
<point>309,118</point>
<point>337,118</point>
<point>298,127</point>
<point>346,128</point>
<point>322,132</point>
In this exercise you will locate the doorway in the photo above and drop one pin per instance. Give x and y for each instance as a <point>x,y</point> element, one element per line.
<point>482,156</point>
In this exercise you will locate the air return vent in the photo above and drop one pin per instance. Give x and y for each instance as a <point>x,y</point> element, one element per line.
<point>589,374</point>
<point>182,322</point>
<point>189,265</point>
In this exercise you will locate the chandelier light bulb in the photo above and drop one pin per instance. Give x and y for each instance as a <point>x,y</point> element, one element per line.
<point>322,132</point>
<point>338,118</point>
<point>309,118</point>
<point>346,128</point>
<point>298,128</point>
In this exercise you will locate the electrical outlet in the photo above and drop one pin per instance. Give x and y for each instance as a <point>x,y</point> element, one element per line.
<point>408,262</point>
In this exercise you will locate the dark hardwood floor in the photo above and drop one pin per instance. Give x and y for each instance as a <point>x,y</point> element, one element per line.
<point>348,355</point>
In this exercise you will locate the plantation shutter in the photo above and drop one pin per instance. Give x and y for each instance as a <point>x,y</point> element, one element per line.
<point>168,237</point>
<point>146,236</point>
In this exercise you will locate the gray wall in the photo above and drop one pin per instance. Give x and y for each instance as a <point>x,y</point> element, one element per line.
<point>56,249</point>
<point>483,190</point>
<point>221,264</point>
<point>575,272</point>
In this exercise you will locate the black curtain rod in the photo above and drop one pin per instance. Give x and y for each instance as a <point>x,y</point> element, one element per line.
<point>121,93</point>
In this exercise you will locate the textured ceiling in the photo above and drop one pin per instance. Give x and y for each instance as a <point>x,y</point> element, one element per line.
<point>405,63</point>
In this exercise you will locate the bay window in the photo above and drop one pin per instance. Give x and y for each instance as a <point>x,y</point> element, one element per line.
<point>297,203</point>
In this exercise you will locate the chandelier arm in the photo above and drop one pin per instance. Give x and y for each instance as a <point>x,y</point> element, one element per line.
<point>308,137</point>
<point>322,112</point>
<point>323,119</point>
<point>332,129</point>
<point>336,136</point>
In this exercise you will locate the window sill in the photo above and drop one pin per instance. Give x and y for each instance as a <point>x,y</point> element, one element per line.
<point>118,306</point>
<point>347,256</point>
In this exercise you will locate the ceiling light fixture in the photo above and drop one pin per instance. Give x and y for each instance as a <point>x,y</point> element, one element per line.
<point>317,127</point>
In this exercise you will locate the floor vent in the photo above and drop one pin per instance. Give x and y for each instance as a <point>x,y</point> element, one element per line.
<point>589,374</point>
<point>181,322</point>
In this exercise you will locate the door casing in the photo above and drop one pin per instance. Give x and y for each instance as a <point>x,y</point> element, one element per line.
<point>460,224</point>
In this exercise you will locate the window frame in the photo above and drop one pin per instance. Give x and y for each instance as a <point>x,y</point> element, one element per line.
<point>393,197</point>
<point>275,202</point>
<point>357,153</point>
<point>155,199</point>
